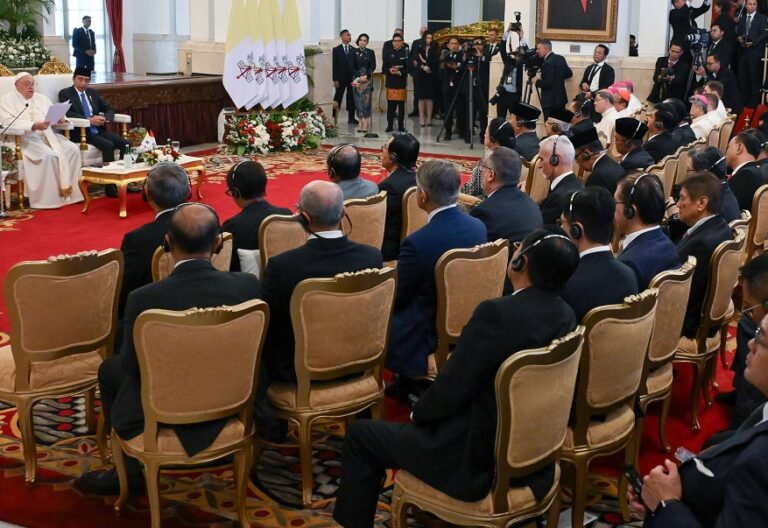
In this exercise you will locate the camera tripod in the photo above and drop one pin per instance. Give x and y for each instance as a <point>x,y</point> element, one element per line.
<point>469,72</point>
<point>697,50</point>
<point>530,87</point>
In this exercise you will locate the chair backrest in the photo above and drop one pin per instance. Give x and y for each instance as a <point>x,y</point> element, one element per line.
<point>341,326</point>
<point>455,302</point>
<point>222,260</point>
<point>682,164</point>
<point>713,138</point>
<point>61,306</point>
<point>613,359</point>
<point>209,373</point>
<point>525,170</point>
<point>758,225</point>
<point>277,234</point>
<point>162,261</point>
<point>414,217</point>
<point>365,219</point>
<point>532,423</point>
<point>670,164</point>
<point>725,134</point>
<point>537,186</point>
<point>723,276</point>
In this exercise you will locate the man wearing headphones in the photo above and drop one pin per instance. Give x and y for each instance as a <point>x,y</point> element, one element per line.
<point>603,170</point>
<point>523,120</point>
<point>661,123</point>
<point>449,442</point>
<point>599,279</point>
<point>710,159</point>
<point>556,156</point>
<point>193,235</point>
<point>629,134</point>
<point>558,122</point>
<point>746,178</point>
<point>343,163</point>
<point>398,157</point>
<point>247,184</point>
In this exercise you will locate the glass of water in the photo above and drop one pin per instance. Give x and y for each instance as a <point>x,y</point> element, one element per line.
<point>176,145</point>
<point>134,154</point>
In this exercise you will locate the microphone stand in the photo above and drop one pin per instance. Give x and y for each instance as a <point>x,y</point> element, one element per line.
<point>3,135</point>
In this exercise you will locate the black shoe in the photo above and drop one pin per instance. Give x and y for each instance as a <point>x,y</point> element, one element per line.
<point>447,137</point>
<point>106,483</point>
<point>134,187</point>
<point>388,129</point>
<point>110,190</point>
<point>353,121</point>
<point>726,398</point>
<point>402,129</point>
<point>413,114</point>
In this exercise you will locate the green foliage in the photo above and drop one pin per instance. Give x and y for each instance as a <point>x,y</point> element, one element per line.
<point>21,16</point>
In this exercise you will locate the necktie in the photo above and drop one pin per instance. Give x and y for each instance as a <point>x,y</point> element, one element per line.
<point>584,5</point>
<point>749,23</point>
<point>88,32</point>
<point>346,49</point>
<point>595,71</point>
<point>87,112</point>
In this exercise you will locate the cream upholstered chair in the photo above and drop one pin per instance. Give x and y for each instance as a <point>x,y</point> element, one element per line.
<point>56,347</point>
<point>726,129</point>
<point>713,138</point>
<point>162,261</point>
<point>666,170</point>
<point>414,217</point>
<point>674,287</point>
<point>277,234</point>
<point>455,302</point>
<point>758,225</point>
<point>701,351</point>
<point>536,186</point>
<point>365,219</point>
<point>220,349</point>
<point>468,200</point>
<point>611,368</point>
<point>530,432</point>
<point>682,164</point>
<point>338,360</point>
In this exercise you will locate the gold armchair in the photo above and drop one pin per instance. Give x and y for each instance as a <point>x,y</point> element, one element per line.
<point>414,217</point>
<point>536,185</point>
<point>758,224</point>
<point>529,435</point>
<point>277,234</point>
<point>209,389</point>
<point>365,219</point>
<point>162,261</point>
<point>338,360</point>
<point>63,313</point>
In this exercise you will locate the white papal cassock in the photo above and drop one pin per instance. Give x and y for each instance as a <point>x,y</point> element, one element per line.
<point>51,162</point>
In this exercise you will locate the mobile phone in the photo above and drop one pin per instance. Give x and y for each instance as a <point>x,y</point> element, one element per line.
<point>634,480</point>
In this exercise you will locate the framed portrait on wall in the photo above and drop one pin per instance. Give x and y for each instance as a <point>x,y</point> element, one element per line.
<point>589,20</point>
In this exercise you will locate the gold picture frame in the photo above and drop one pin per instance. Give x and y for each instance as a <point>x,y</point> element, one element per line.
<point>569,20</point>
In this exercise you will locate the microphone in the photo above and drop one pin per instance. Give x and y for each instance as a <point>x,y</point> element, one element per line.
<point>26,105</point>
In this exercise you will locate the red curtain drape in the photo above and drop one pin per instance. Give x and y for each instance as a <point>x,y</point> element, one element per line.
<point>115,15</point>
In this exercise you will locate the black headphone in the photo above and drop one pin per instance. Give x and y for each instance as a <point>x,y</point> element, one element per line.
<point>630,139</point>
<point>555,127</point>
<point>519,261</point>
<point>167,247</point>
<point>715,164</point>
<point>554,159</point>
<point>580,111</point>
<point>586,155</point>
<point>334,153</point>
<point>629,212</point>
<point>575,229</point>
<point>496,134</point>
<point>232,184</point>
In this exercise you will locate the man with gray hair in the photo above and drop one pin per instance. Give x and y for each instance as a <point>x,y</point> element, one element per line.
<point>556,154</point>
<point>413,336</point>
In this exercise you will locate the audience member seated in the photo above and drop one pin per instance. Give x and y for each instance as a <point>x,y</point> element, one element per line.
<point>670,76</point>
<point>498,134</point>
<point>634,105</point>
<point>398,157</point>
<point>247,185</point>
<point>343,163</point>
<point>629,136</point>
<point>661,124</point>
<point>523,118</point>
<point>558,122</point>
<point>557,154</point>
<point>683,133</point>
<point>703,122</point>
<point>710,159</point>
<point>604,106</point>
<point>746,177</point>
<point>700,205</point>
<point>582,109</point>
<point>193,235</point>
<point>722,81</point>
<point>413,335</point>
<point>621,101</point>
<point>449,441</point>
<point>593,158</point>
<point>725,485</point>
<point>599,279</point>
<point>639,212</point>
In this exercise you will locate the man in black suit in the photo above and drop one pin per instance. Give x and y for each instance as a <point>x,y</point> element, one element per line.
<point>592,157</point>
<point>711,159</point>
<point>729,92</point>
<point>452,66</point>
<point>670,75</point>
<point>247,184</point>
<point>683,17</point>
<point>628,135</point>
<point>510,87</point>
<point>398,157</point>
<point>193,235</point>
<point>449,441</point>
<point>86,103</point>
<point>84,45</point>
<point>699,204</point>
<point>523,120</point>
<point>599,279</point>
<point>661,124</point>
<point>576,14</point>
<point>683,134</point>
<point>751,36</point>
<point>556,158</point>
<point>387,46</point>
<point>741,157</point>
<point>554,72</point>
<point>343,74</point>
<point>720,45</point>
<point>598,75</point>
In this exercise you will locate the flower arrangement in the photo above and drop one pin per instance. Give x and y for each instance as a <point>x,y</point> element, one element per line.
<point>23,53</point>
<point>9,159</point>
<point>159,155</point>
<point>136,135</point>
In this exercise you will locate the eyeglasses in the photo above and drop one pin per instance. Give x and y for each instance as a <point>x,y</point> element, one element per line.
<point>758,334</point>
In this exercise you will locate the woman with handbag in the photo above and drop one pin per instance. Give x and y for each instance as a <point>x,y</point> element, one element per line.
<point>425,66</point>
<point>363,66</point>
<point>396,73</point>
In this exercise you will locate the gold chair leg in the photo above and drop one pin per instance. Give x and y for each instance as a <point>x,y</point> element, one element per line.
<point>663,422</point>
<point>90,413</point>
<point>581,472</point>
<point>638,438</point>
<point>101,440</point>
<point>695,390</point>
<point>305,454</point>
<point>151,474</point>
<point>399,509</point>
<point>122,475</point>
<point>629,456</point>
<point>709,370</point>
<point>377,411</point>
<point>243,460</point>
<point>723,345</point>
<point>553,514</point>
<point>24,410</point>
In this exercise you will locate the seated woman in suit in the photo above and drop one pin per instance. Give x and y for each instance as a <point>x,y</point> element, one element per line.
<point>498,134</point>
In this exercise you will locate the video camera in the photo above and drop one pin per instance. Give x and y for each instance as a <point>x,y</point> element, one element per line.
<point>531,61</point>
<point>516,25</point>
<point>699,39</point>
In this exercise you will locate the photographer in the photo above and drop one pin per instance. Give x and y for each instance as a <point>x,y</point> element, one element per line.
<point>682,19</point>
<point>671,75</point>
<point>510,87</point>
<point>751,36</point>
<point>551,82</point>
<point>477,59</point>
<point>452,67</point>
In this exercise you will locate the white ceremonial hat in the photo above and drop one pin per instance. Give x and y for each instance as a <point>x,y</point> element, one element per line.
<point>20,75</point>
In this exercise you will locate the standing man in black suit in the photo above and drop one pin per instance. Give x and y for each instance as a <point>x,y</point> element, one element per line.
<point>86,103</point>
<point>84,45</point>
<point>600,279</point>
<point>247,185</point>
<point>751,36</point>
<point>598,75</point>
<point>523,120</point>
<point>554,73</point>
<point>729,92</point>
<point>415,48</point>
<point>449,441</point>
<point>661,123</point>
<point>628,135</point>
<point>556,158</point>
<point>398,157</point>
<point>193,236</point>
<point>670,75</point>
<point>593,157</point>
<point>699,204</point>
<point>721,45</point>
<point>452,67</point>
<point>746,177</point>
<point>683,17</point>
<point>343,74</point>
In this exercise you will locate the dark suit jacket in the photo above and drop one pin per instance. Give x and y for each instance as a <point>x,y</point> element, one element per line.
<point>606,173</point>
<point>682,22</point>
<point>730,207</point>
<point>599,280</point>
<point>554,72</point>
<point>757,33</point>
<point>454,422</point>
<point>413,336</point>
<point>723,49</point>
<point>606,75</point>
<point>194,284</point>
<point>648,255</point>
<point>508,213</point>
<point>552,206</point>
<point>80,42</point>
<point>701,244</point>
<point>244,227</point>
<point>527,145</point>
<point>737,494</point>
<point>97,102</point>
<point>731,93</point>
<point>745,182</point>
<point>636,159</point>
<point>684,135</point>
<point>395,184</point>
<point>342,64</point>
<point>676,87</point>
<point>318,258</point>
<point>661,145</point>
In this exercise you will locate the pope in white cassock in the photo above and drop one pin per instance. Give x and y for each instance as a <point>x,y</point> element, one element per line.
<point>51,162</point>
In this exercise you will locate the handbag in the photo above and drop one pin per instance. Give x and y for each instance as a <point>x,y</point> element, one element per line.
<point>396,94</point>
